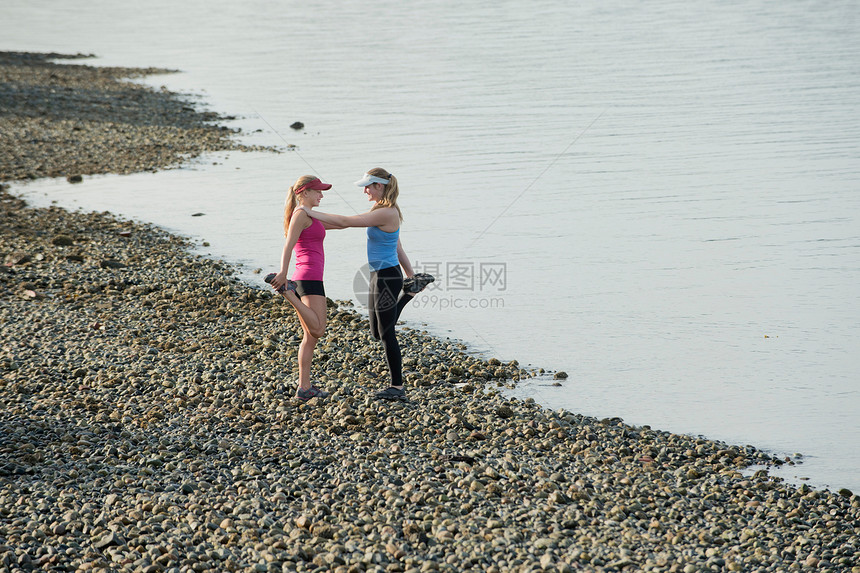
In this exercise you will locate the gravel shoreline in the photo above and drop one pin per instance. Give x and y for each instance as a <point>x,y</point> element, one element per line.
<point>148,425</point>
<point>64,120</point>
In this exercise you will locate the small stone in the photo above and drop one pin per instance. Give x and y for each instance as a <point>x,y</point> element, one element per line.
<point>323,530</point>
<point>303,522</point>
<point>560,375</point>
<point>108,540</point>
<point>18,258</point>
<point>546,560</point>
<point>297,125</point>
<point>504,412</point>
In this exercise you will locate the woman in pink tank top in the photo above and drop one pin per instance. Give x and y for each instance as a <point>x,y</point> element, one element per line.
<point>305,291</point>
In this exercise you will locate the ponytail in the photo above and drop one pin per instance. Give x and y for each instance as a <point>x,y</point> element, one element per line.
<point>389,193</point>
<point>292,200</point>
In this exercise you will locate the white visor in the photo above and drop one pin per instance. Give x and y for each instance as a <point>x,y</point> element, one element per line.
<point>368,179</point>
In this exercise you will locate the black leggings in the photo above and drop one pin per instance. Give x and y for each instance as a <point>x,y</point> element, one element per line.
<point>384,308</point>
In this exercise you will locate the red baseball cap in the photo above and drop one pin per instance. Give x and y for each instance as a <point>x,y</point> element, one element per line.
<point>314,184</point>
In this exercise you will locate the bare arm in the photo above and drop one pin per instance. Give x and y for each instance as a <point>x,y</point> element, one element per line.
<point>298,223</point>
<point>404,260</point>
<point>386,219</point>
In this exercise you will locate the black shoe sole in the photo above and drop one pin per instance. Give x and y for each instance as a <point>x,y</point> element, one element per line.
<point>410,284</point>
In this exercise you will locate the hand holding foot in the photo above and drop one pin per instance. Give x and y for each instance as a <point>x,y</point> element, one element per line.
<point>279,283</point>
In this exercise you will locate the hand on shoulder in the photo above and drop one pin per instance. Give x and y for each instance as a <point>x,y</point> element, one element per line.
<point>301,218</point>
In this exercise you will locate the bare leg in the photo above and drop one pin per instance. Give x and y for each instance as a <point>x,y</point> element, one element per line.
<point>315,309</point>
<point>312,312</point>
<point>306,355</point>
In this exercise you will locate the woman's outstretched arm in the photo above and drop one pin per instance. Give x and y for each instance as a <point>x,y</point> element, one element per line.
<point>330,226</point>
<point>378,218</point>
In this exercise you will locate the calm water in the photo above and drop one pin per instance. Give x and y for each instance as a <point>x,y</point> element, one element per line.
<point>661,201</point>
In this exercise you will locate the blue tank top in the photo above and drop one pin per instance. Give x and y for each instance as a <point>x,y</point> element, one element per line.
<point>382,248</point>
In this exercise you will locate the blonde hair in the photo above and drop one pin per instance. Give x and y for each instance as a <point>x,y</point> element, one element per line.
<point>389,192</point>
<point>292,201</point>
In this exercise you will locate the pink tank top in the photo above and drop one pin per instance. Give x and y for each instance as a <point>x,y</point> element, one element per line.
<point>310,258</point>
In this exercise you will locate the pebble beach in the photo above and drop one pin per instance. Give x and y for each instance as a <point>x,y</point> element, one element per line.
<point>148,423</point>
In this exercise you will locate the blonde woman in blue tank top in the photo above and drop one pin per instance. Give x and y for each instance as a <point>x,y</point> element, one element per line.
<point>385,256</point>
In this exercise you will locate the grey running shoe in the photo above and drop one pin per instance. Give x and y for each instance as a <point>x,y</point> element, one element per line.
<point>393,394</point>
<point>312,392</point>
<point>417,282</point>
<point>290,285</point>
